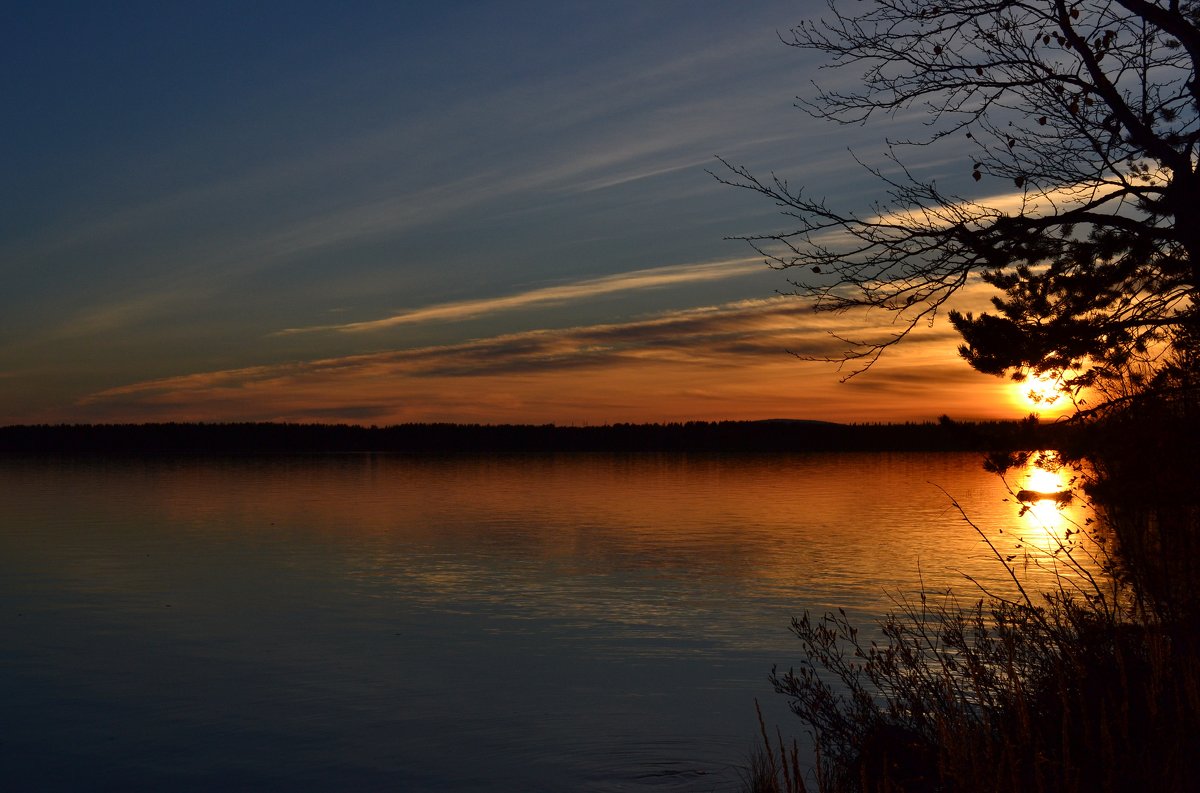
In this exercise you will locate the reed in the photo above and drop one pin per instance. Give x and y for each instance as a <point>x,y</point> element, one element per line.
<point>774,768</point>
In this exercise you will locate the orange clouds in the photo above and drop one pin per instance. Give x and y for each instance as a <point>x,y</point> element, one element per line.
<point>721,362</point>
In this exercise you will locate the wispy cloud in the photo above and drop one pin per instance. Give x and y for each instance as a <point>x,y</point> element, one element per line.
<point>773,323</point>
<point>1014,202</point>
<point>653,278</point>
<point>725,361</point>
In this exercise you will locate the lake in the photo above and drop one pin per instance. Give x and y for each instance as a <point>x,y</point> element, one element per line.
<point>468,623</point>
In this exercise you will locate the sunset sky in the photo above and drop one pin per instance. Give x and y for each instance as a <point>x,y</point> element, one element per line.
<point>456,211</point>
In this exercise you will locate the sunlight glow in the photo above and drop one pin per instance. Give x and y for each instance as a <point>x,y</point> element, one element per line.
<point>1042,393</point>
<point>1046,498</point>
<point>1053,545</point>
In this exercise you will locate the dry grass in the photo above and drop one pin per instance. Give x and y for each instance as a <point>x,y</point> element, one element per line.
<point>774,768</point>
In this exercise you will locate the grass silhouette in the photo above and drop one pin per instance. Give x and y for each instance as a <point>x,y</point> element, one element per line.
<point>1093,686</point>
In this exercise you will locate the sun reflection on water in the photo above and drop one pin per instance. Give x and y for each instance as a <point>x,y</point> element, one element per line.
<point>1051,541</point>
<point>1046,490</point>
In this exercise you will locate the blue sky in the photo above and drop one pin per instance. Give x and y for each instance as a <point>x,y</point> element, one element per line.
<point>461,211</point>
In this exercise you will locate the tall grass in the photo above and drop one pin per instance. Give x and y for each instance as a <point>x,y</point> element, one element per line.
<point>774,767</point>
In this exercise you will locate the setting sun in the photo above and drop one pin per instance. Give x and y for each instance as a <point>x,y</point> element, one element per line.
<point>1042,393</point>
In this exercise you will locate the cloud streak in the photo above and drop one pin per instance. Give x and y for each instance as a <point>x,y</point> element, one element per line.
<point>654,278</point>
<point>725,361</point>
<point>771,324</point>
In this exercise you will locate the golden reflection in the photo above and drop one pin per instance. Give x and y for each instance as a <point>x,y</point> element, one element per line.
<point>572,535</point>
<point>845,529</point>
<point>1045,493</point>
<point>1050,534</point>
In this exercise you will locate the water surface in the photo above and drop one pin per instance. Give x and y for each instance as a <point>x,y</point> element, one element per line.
<point>503,623</point>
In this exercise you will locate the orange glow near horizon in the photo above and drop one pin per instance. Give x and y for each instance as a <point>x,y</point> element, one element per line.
<point>632,388</point>
<point>727,362</point>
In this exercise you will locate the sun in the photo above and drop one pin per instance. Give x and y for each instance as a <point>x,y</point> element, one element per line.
<point>1041,393</point>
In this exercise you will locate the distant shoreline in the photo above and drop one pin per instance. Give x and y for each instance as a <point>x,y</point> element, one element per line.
<point>773,436</point>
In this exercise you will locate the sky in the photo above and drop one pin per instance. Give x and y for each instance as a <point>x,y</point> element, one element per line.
<point>382,212</point>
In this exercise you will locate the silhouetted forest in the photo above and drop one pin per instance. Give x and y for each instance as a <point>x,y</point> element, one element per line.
<point>693,436</point>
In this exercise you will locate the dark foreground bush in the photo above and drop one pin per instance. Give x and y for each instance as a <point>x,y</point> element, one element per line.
<point>1002,698</point>
<point>1091,688</point>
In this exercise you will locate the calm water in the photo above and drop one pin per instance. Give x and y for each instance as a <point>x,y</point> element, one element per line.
<point>560,623</point>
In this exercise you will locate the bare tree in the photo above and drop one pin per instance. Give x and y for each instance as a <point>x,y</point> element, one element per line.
<point>1085,113</point>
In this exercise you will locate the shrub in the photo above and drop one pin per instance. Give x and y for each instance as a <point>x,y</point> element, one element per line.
<point>1083,688</point>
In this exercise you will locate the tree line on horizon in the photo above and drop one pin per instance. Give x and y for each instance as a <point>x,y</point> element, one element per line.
<point>690,436</point>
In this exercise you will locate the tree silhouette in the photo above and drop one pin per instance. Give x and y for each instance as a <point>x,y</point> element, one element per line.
<point>1084,114</point>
